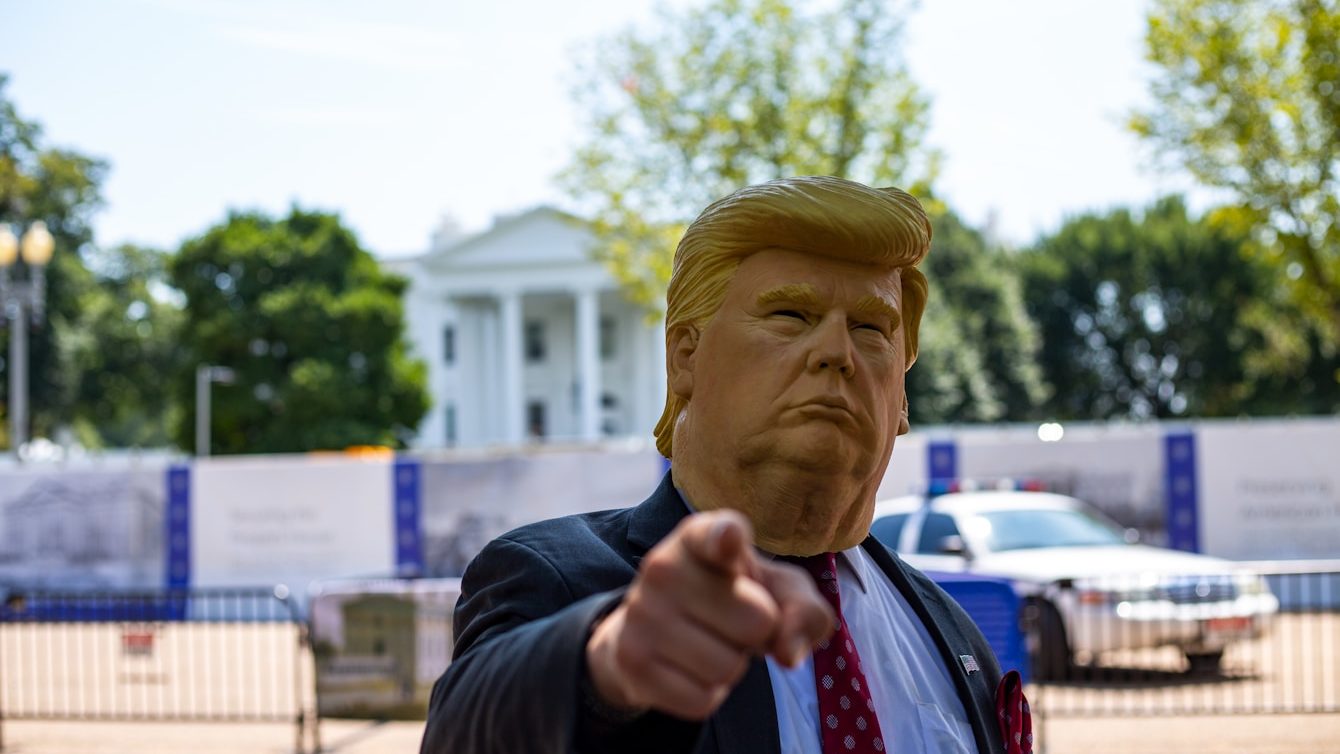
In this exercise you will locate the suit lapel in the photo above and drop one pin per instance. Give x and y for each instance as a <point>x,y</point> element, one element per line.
<point>747,720</point>
<point>935,615</point>
<point>654,518</point>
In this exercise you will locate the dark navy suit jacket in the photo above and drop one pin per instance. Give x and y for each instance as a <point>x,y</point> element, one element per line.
<point>528,601</point>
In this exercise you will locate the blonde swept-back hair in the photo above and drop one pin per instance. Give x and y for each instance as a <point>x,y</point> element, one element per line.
<point>819,215</point>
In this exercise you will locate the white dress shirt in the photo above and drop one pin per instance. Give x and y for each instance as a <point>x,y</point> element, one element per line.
<point>919,711</point>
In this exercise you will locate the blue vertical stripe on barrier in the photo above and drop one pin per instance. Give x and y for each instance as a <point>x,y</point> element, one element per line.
<point>1180,494</point>
<point>178,527</point>
<point>408,528</point>
<point>941,461</point>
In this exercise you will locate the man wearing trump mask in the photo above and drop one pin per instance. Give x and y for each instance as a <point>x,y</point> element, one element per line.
<point>744,607</point>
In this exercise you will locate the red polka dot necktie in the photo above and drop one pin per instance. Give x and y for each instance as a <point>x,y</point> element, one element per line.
<point>847,721</point>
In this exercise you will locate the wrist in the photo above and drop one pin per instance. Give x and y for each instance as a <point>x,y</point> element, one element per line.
<point>602,685</point>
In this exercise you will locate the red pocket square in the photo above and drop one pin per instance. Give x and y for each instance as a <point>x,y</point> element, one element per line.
<point>1016,722</point>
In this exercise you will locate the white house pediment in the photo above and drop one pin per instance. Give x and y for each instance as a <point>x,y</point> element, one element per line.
<point>543,237</point>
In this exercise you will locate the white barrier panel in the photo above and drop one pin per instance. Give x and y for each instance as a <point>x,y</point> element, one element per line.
<point>290,520</point>
<point>1270,490</point>
<point>82,529</point>
<point>906,473</point>
<point>466,503</point>
<point>1264,489</point>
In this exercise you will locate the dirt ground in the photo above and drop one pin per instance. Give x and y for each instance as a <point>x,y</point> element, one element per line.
<point>1291,734</point>
<point>259,672</point>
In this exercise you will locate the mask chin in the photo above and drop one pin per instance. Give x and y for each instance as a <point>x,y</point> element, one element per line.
<point>778,533</point>
<point>797,544</point>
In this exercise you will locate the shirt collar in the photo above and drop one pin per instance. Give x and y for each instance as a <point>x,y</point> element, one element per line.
<point>853,557</point>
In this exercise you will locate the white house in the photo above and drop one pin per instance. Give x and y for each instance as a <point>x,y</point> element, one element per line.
<point>528,339</point>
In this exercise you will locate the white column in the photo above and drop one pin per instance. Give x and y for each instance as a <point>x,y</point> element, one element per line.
<point>588,362</point>
<point>513,397</point>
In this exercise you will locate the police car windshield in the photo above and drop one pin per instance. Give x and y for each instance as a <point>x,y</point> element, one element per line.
<point>1029,529</point>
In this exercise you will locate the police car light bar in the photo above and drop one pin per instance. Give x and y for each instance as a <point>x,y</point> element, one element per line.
<point>945,486</point>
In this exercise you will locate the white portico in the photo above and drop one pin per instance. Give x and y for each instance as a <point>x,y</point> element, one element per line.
<point>528,339</point>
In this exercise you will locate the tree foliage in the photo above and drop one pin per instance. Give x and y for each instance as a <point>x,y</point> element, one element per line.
<point>63,189</point>
<point>979,348</point>
<point>1247,98</point>
<point>313,329</point>
<point>742,91</point>
<point>732,93</point>
<point>1161,315</point>
<point>125,346</point>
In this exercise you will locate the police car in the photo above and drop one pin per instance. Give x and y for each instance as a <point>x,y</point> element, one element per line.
<point>1088,588</point>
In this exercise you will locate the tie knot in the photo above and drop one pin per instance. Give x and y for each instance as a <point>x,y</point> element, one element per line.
<point>823,567</point>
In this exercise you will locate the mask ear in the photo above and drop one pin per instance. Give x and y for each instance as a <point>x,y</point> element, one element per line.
<point>681,348</point>
<point>903,425</point>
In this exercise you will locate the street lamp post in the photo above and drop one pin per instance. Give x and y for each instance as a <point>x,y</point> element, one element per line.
<point>23,299</point>
<point>206,375</point>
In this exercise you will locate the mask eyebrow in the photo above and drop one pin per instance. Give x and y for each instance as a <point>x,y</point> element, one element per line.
<point>875,306</point>
<point>794,293</point>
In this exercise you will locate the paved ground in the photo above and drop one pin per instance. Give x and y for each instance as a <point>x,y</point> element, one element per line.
<point>1296,734</point>
<point>259,671</point>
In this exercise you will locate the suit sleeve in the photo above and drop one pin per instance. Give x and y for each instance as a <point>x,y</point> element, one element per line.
<point>520,646</point>
<point>515,683</point>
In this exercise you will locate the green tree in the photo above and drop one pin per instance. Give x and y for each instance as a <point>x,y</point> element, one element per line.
<point>979,347</point>
<point>313,329</point>
<point>741,91</point>
<point>1247,99</point>
<point>1161,315</point>
<point>732,93</point>
<point>62,188</point>
<point>124,343</point>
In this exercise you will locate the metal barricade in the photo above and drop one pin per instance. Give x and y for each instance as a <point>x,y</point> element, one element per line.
<point>1263,640</point>
<point>378,646</point>
<point>207,655</point>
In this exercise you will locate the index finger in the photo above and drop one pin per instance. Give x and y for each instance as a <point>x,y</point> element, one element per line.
<point>806,617</point>
<point>722,540</point>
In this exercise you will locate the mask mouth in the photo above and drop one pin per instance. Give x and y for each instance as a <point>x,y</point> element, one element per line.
<point>823,411</point>
<point>830,401</point>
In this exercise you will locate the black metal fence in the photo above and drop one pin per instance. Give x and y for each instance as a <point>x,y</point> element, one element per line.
<point>197,655</point>
<point>1265,640</point>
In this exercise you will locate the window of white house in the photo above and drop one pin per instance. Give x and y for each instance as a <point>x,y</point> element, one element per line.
<point>608,338</point>
<point>609,424</point>
<point>449,344</point>
<point>451,424</point>
<point>534,336</point>
<point>535,419</point>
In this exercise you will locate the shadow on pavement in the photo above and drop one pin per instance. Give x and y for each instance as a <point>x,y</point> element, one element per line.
<point>1103,677</point>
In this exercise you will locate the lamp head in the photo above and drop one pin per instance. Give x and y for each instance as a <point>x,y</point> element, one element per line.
<point>38,245</point>
<point>9,247</point>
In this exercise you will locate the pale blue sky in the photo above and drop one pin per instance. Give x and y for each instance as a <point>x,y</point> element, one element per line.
<point>395,113</point>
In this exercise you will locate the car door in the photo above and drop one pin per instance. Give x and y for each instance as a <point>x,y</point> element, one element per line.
<point>931,535</point>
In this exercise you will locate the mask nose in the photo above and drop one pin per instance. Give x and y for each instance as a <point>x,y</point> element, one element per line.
<point>831,348</point>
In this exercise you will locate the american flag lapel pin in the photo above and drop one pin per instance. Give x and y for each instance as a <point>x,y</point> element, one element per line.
<point>969,664</point>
